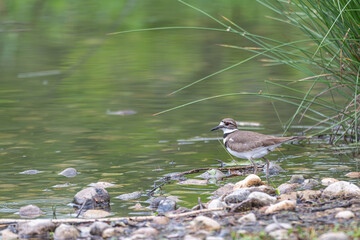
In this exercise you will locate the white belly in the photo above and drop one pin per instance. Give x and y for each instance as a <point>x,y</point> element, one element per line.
<point>255,153</point>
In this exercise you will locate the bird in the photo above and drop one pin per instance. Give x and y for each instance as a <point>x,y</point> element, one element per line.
<point>250,145</point>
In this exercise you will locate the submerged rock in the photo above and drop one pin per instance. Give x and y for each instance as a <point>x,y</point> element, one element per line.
<point>92,197</point>
<point>163,204</point>
<point>30,211</point>
<point>341,189</point>
<point>31,172</point>
<point>193,182</point>
<point>69,172</point>
<point>250,181</point>
<point>212,174</point>
<point>130,196</point>
<point>66,232</point>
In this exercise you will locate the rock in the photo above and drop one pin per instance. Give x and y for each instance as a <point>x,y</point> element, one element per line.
<point>287,187</point>
<point>345,214</point>
<point>280,234</point>
<point>248,218</point>
<point>101,185</point>
<point>69,172</point>
<point>297,179</point>
<point>280,206</point>
<point>262,197</point>
<point>92,198</point>
<point>247,205</point>
<point>193,182</point>
<point>129,196</point>
<point>263,188</point>
<point>112,232</point>
<point>237,196</point>
<point>212,174</point>
<point>226,189</point>
<point>30,211</point>
<point>308,195</point>
<point>274,169</point>
<point>205,223</point>
<point>309,184</point>
<point>35,228</point>
<point>163,204</point>
<point>7,234</point>
<point>250,181</point>
<point>341,189</point>
<point>93,213</point>
<point>97,228</point>
<point>277,226</point>
<point>65,231</point>
<point>353,175</point>
<point>161,220</point>
<point>288,196</point>
<point>328,181</point>
<point>334,236</point>
<point>31,172</point>
<point>216,203</point>
<point>146,232</point>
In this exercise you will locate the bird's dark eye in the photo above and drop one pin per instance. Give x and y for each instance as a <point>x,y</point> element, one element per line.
<point>227,124</point>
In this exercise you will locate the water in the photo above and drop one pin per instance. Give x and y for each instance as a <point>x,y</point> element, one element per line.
<point>61,76</point>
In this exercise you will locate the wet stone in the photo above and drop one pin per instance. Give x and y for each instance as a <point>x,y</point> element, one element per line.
<point>226,189</point>
<point>237,196</point>
<point>94,213</point>
<point>92,197</point>
<point>274,169</point>
<point>31,172</point>
<point>35,228</point>
<point>30,211</point>
<point>66,232</point>
<point>212,174</point>
<point>69,172</point>
<point>297,179</point>
<point>130,196</point>
<point>97,228</point>
<point>309,184</point>
<point>163,204</point>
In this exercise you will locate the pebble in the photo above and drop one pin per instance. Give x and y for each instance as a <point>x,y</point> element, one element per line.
<point>65,231</point>
<point>263,188</point>
<point>226,189</point>
<point>212,174</point>
<point>35,228</point>
<point>297,179</point>
<point>345,214</point>
<point>277,226</point>
<point>94,213</point>
<point>248,218</point>
<point>334,236</point>
<point>69,172</point>
<point>97,228</point>
<point>250,181</point>
<point>216,203</point>
<point>237,196</point>
<point>163,204</point>
<point>341,189</point>
<point>161,220</point>
<point>308,195</point>
<point>205,223</point>
<point>264,198</point>
<point>7,234</point>
<point>30,211</point>
<point>112,232</point>
<point>281,234</point>
<point>353,175</point>
<point>129,196</point>
<point>92,197</point>
<point>288,196</point>
<point>280,206</point>
<point>328,181</point>
<point>146,232</point>
<point>310,184</point>
<point>287,187</point>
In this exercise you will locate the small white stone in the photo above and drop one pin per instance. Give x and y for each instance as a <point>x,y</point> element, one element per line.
<point>345,214</point>
<point>328,181</point>
<point>262,197</point>
<point>248,218</point>
<point>249,181</point>
<point>334,236</point>
<point>341,189</point>
<point>277,226</point>
<point>216,203</point>
<point>206,223</point>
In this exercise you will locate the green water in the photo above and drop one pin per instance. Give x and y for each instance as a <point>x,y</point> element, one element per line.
<point>61,74</point>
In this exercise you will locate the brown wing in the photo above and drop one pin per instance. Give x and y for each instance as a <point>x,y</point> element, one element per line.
<point>245,141</point>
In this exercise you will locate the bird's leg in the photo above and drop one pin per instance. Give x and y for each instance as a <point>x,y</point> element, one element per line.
<point>255,167</point>
<point>267,170</point>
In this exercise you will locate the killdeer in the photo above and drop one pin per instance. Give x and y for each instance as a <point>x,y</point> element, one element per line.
<point>250,145</point>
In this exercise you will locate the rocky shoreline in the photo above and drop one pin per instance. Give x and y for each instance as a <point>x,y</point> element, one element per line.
<point>248,208</point>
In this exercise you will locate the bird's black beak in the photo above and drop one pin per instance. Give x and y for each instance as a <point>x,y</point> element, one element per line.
<point>215,128</point>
